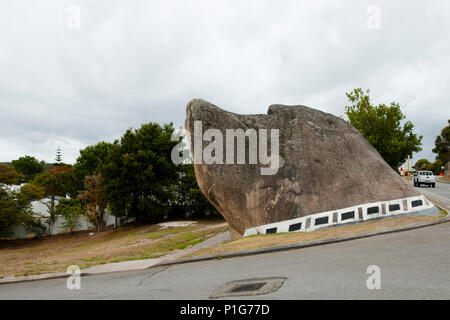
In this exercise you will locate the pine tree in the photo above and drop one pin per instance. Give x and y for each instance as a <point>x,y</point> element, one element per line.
<point>58,156</point>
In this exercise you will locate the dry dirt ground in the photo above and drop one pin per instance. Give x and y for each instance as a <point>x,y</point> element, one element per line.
<point>260,241</point>
<point>56,253</point>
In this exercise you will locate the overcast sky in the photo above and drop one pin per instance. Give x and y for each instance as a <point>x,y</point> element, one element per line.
<point>72,80</point>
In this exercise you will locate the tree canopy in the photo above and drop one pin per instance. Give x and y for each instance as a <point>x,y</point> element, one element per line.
<point>13,211</point>
<point>422,164</point>
<point>381,126</point>
<point>139,174</point>
<point>442,146</point>
<point>57,181</point>
<point>28,166</point>
<point>91,160</point>
<point>32,191</point>
<point>9,175</point>
<point>134,178</point>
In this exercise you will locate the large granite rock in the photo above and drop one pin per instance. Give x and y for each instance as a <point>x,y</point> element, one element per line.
<point>325,164</point>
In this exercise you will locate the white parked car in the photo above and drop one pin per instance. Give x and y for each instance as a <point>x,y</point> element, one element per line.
<point>424,177</point>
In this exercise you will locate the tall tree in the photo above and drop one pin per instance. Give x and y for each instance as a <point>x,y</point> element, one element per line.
<point>9,175</point>
<point>422,164</point>
<point>58,157</point>
<point>381,126</point>
<point>28,166</point>
<point>139,174</point>
<point>58,181</point>
<point>90,161</point>
<point>94,200</point>
<point>442,146</point>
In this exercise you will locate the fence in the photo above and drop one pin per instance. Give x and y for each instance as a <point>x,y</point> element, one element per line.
<point>19,232</point>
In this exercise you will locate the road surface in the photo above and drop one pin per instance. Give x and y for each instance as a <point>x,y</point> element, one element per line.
<point>439,194</point>
<point>413,264</point>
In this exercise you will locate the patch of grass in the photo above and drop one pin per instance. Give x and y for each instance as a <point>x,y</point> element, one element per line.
<point>93,259</point>
<point>443,211</point>
<point>183,240</point>
<point>162,233</point>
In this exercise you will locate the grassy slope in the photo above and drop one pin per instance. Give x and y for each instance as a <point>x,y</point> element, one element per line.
<point>55,254</point>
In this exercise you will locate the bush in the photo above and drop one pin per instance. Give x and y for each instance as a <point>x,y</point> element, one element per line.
<point>15,210</point>
<point>189,199</point>
<point>71,210</point>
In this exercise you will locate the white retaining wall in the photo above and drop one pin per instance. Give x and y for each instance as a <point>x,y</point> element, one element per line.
<point>353,214</point>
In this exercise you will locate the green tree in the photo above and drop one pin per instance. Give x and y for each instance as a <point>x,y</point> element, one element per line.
<point>28,166</point>
<point>422,164</point>
<point>32,191</point>
<point>436,167</point>
<point>94,200</point>
<point>9,175</point>
<point>58,181</point>
<point>13,211</point>
<point>71,210</point>
<point>442,146</point>
<point>58,157</point>
<point>189,199</point>
<point>90,161</point>
<point>381,126</point>
<point>139,174</point>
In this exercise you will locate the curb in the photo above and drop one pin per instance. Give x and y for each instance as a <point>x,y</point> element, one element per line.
<point>34,278</point>
<point>241,253</point>
<point>306,244</point>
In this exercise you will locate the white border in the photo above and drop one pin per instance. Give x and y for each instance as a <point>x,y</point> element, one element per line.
<point>283,226</point>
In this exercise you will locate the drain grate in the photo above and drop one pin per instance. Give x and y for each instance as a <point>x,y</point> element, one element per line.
<point>250,287</point>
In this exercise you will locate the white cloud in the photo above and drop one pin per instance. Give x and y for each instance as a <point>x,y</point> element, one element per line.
<point>142,61</point>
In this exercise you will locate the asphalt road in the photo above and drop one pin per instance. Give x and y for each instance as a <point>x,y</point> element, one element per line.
<point>413,264</point>
<point>440,194</point>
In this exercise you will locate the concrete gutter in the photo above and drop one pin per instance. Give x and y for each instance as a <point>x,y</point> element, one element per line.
<point>168,261</point>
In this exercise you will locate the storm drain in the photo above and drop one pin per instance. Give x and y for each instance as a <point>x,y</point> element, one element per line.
<point>251,287</point>
<point>248,287</point>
